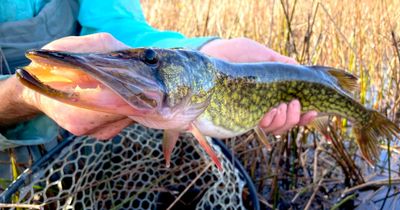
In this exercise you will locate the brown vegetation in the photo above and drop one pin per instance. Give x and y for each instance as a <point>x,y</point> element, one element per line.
<point>305,170</point>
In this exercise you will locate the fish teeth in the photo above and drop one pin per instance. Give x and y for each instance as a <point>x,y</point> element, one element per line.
<point>78,88</point>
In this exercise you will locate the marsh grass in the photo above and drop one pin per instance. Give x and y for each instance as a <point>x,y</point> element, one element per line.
<point>307,170</point>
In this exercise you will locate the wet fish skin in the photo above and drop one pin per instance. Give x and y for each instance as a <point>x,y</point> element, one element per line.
<point>191,91</point>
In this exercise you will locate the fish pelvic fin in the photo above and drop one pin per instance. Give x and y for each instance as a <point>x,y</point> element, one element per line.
<point>169,141</point>
<point>262,137</point>
<point>321,124</point>
<point>367,136</point>
<point>206,146</point>
<point>344,79</point>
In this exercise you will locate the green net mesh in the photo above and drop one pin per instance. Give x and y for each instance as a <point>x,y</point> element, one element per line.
<point>129,173</point>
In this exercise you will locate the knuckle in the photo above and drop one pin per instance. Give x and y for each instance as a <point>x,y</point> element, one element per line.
<point>104,36</point>
<point>106,40</point>
<point>76,131</point>
<point>293,119</point>
<point>280,122</point>
<point>240,39</point>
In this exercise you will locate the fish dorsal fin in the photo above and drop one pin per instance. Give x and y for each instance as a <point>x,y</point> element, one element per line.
<point>169,141</point>
<point>203,142</point>
<point>262,137</point>
<point>344,79</point>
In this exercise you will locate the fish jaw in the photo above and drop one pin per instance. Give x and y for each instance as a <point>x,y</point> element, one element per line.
<point>177,118</point>
<point>90,81</point>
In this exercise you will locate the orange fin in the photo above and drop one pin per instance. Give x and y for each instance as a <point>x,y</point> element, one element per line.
<point>203,142</point>
<point>169,141</point>
<point>321,124</point>
<point>262,137</point>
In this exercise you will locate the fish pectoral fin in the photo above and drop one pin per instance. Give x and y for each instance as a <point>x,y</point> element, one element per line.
<point>262,136</point>
<point>169,141</point>
<point>206,146</point>
<point>321,124</point>
<point>347,81</point>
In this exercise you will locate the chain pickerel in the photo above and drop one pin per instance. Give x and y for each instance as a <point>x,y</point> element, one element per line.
<point>181,90</point>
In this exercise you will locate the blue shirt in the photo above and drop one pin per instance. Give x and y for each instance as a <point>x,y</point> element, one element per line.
<point>124,19</point>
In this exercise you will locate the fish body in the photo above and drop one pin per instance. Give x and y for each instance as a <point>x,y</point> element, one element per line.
<point>182,90</point>
<point>243,93</point>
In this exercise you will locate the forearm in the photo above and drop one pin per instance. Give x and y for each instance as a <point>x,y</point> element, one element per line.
<point>13,107</point>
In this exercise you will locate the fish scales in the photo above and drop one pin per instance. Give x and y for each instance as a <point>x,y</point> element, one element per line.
<point>241,99</point>
<point>181,90</point>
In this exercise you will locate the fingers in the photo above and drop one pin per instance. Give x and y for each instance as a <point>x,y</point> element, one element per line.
<point>267,119</point>
<point>284,59</point>
<point>241,50</point>
<point>292,117</point>
<point>100,42</point>
<point>271,55</point>
<point>308,118</point>
<point>281,119</point>
<point>112,129</point>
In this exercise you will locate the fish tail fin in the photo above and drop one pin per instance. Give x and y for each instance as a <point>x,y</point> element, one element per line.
<point>343,78</point>
<point>367,136</point>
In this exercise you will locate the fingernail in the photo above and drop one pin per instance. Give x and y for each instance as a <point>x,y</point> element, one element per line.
<point>281,108</point>
<point>314,114</point>
<point>294,103</point>
<point>293,61</point>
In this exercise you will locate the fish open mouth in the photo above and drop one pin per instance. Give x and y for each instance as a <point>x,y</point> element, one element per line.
<point>83,81</point>
<point>57,79</point>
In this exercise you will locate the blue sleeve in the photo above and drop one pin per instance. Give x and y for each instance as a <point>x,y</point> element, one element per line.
<point>39,130</point>
<point>124,19</point>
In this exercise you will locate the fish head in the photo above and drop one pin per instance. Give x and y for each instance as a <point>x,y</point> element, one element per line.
<point>138,81</point>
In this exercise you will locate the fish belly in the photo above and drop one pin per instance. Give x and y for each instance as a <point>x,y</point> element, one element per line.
<point>208,128</point>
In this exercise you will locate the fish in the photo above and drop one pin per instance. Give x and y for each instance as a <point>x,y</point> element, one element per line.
<point>182,90</point>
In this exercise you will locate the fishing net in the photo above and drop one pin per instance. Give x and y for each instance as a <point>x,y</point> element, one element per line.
<point>129,172</point>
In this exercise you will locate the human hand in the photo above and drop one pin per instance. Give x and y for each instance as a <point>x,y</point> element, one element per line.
<point>280,119</point>
<point>80,121</point>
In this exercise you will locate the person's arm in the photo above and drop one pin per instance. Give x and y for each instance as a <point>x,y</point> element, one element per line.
<point>23,111</point>
<point>13,108</point>
<point>20,122</point>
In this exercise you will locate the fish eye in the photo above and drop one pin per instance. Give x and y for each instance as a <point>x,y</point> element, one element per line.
<point>150,57</point>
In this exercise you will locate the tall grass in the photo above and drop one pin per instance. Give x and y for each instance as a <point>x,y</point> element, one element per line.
<point>304,169</point>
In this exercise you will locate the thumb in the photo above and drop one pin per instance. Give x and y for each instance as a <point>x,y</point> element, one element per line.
<point>99,43</point>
